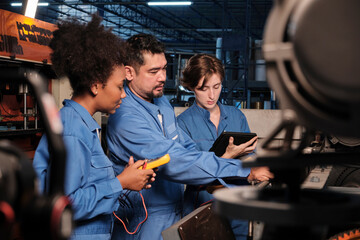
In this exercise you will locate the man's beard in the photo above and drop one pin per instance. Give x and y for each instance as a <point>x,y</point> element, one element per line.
<point>157,95</point>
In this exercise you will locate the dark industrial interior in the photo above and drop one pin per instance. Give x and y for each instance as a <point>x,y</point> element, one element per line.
<point>291,66</point>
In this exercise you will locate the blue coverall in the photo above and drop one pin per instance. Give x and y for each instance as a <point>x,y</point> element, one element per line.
<point>136,130</point>
<point>90,181</point>
<point>195,121</point>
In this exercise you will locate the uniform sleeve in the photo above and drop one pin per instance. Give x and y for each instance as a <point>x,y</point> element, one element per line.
<point>41,163</point>
<point>186,166</point>
<point>89,198</point>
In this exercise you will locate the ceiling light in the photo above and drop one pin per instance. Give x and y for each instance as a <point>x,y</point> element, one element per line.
<point>31,7</point>
<point>16,4</point>
<point>169,3</point>
<point>42,4</point>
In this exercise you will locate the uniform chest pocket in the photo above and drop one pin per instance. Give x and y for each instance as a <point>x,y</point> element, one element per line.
<point>172,132</point>
<point>101,168</point>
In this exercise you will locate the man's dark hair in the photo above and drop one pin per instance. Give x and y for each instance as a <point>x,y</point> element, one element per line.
<point>139,44</point>
<point>85,53</point>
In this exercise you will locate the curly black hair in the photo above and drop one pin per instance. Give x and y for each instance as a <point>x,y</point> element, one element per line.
<point>139,44</point>
<point>85,53</point>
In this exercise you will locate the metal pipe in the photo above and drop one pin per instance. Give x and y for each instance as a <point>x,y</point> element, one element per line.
<point>36,115</point>
<point>25,117</point>
<point>25,91</point>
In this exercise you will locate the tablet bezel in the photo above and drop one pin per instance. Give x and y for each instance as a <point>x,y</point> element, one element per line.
<point>220,144</point>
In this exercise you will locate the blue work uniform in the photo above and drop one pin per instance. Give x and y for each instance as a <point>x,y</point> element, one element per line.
<point>149,130</point>
<point>195,121</point>
<point>90,181</point>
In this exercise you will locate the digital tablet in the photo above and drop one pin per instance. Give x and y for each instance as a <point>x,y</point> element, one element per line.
<point>219,146</point>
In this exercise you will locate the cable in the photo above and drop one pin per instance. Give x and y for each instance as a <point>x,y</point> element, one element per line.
<point>211,200</point>
<point>146,216</point>
<point>122,201</point>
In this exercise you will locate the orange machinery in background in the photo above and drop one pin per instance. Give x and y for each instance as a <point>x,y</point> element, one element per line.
<point>23,43</point>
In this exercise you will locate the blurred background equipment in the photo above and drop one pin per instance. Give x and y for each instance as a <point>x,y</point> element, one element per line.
<point>23,44</point>
<point>311,50</point>
<point>36,216</point>
<point>311,53</point>
<point>27,109</point>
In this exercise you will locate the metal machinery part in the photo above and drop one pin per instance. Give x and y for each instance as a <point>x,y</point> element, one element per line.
<point>345,141</point>
<point>38,216</point>
<point>311,48</point>
<point>311,52</point>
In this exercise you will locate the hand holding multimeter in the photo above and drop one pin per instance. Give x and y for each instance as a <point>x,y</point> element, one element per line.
<point>144,166</point>
<point>133,177</point>
<point>154,163</point>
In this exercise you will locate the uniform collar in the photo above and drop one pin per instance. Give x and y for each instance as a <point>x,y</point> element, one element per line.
<point>84,114</point>
<point>224,113</point>
<point>150,107</point>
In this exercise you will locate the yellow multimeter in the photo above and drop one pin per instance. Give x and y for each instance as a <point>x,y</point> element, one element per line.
<point>154,163</point>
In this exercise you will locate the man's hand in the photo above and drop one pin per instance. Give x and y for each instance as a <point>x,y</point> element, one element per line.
<point>233,150</point>
<point>136,179</point>
<point>260,174</point>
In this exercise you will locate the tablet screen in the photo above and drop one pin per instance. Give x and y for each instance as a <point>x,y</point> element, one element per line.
<point>220,144</point>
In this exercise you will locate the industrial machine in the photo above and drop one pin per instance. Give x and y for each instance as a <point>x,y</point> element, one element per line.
<point>23,43</point>
<point>28,109</point>
<point>311,52</point>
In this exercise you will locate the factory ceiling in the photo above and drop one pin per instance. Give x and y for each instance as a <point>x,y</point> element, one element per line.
<point>192,28</point>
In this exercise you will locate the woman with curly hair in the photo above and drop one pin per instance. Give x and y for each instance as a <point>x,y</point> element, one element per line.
<point>92,58</point>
